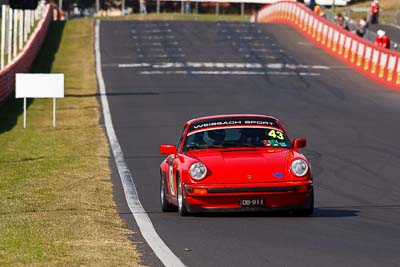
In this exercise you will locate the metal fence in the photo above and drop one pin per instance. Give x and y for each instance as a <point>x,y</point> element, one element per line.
<point>369,35</point>
<point>16,26</point>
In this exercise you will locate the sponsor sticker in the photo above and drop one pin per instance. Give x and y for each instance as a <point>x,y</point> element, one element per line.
<point>235,121</point>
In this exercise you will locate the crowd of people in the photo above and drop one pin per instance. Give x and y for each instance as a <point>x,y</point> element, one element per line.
<point>348,24</point>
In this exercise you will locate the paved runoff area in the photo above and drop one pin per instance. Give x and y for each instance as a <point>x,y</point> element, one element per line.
<point>158,75</point>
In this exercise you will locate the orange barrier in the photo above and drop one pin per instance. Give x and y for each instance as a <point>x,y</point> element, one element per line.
<point>23,62</point>
<point>379,64</point>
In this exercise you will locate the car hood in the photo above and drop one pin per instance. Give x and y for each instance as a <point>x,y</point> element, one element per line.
<point>245,165</point>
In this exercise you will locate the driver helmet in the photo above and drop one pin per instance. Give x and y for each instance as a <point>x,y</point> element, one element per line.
<point>215,137</point>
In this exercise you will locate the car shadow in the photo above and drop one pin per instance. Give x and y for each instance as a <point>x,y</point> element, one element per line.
<point>334,212</point>
<point>318,213</point>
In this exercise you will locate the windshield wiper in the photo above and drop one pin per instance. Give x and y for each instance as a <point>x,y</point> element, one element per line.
<point>196,146</point>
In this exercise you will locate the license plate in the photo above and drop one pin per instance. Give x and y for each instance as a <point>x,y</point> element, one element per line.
<point>255,202</point>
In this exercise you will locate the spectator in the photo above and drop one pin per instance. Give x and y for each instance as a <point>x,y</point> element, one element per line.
<point>374,12</point>
<point>382,39</point>
<point>142,6</point>
<point>311,5</point>
<point>319,10</point>
<point>187,7</point>
<point>362,28</point>
<point>342,22</point>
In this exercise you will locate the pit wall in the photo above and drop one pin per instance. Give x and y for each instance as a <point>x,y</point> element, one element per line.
<point>378,64</point>
<point>23,62</point>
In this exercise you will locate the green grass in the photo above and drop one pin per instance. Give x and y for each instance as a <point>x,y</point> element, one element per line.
<point>179,16</point>
<point>56,205</point>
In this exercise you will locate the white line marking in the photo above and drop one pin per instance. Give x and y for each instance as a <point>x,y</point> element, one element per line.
<point>238,25</point>
<point>238,31</point>
<point>146,44</point>
<point>246,49</point>
<point>185,72</point>
<point>155,37</point>
<point>168,65</point>
<point>256,44</point>
<point>167,257</point>
<point>156,25</point>
<point>304,44</point>
<point>249,38</point>
<point>137,65</point>
<point>157,31</point>
<point>161,55</point>
<point>162,49</point>
<point>220,65</point>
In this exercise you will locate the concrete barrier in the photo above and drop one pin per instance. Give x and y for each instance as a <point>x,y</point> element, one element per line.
<point>378,64</point>
<point>23,62</point>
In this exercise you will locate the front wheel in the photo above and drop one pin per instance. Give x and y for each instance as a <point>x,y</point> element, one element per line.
<point>165,205</point>
<point>182,210</point>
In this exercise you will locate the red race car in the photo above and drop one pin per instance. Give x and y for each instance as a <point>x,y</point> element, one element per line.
<point>236,163</point>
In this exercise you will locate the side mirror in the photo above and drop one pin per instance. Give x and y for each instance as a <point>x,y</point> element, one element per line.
<point>299,143</point>
<point>168,149</point>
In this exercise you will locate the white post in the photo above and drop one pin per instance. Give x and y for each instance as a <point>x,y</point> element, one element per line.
<point>26,27</point>
<point>3,34</point>
<point>97,7</point>
<point>182,7</point>
<point>21,29</point>
<point>9,39</point>
<point>242,9</point>
<point>36,14</point>
<point>15,34</point>
<point>39,12</point>
<point>54,112</point>
<point>6,32</point>
<point>217,9</point>
<point>24,112</point>
<point>32,17</point>
<point>29,24</point>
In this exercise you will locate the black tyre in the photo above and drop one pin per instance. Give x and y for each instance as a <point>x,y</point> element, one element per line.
<point>182,208</point>
<point>165,205</point>
<point>308,211</point>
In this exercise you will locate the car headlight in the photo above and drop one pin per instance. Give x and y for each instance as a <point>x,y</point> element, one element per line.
<point>198,171</point>
<point>299,167</point>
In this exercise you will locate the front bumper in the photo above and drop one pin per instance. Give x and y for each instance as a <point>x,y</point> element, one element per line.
<point>226,197</point>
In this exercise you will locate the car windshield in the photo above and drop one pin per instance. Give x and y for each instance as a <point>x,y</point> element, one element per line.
<point>227,137</point>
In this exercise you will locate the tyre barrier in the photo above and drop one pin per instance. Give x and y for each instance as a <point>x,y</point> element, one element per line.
<point>23,62</point>
<point>378,64</point>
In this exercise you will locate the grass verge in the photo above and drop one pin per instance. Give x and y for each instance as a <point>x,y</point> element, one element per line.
<point>56,204</point>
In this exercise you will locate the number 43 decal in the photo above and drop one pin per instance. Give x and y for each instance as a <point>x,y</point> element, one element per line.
<point>276,134</point>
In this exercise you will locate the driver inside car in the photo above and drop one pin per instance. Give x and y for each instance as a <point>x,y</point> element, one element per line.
<point>214,137</point>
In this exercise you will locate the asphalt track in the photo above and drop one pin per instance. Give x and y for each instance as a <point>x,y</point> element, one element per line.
<point>351,124</point>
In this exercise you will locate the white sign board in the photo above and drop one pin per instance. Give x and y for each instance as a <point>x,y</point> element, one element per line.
<point>32,85</point>
<point>35,85</point>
